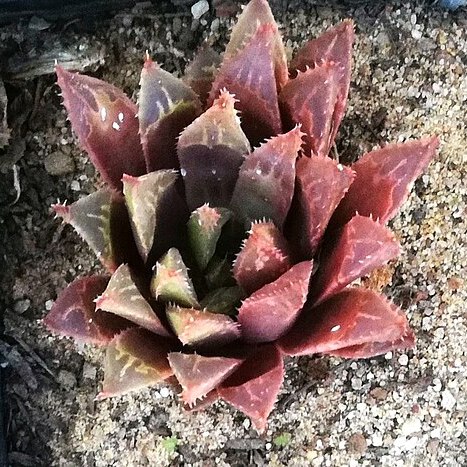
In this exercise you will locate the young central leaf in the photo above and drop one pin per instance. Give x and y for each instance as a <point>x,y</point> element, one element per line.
<point>271,311</point>
<point>266,180</point>
<point>144,196</point>
<point>211,152</point>
<point>201,328</point>
<point>166,106</point>
<point>204,229</point>
<point>171,282</point>
<point>123,298</point>
<point>263,258</point>
<point>199,374</point>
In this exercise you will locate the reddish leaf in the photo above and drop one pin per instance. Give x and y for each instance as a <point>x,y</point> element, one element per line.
<point>199,375</point>
<point>135,359</point>
<point>202,328</point>
<point>74,313</point>
<point>101,219</point>
<point>166,106</point>
<point>253,388</point>
<point>211,152</point>
<point>263,258</point>
<point>204,229</point>
<point>144,197</point>
<point>383,179</point>
<point>256,14</point>
<point>122,298</point>
<point>104,120</point>
<point>200,72</point>
<point>249,75</point>
<point>171,282</point>
<point>310,99</point>
<point>265,185</point>
<point>272,310</point>
<point>362,246</point>
<point>321,183</point>
<point>202,404</point>
<point>335,45</point>
<point>354,320</point>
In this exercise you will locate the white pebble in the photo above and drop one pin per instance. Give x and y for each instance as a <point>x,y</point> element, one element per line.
<point>164,392</point>
<point>448,401</point>
<point>411,426</point>
<point>75,186</point>
<point>403,360</point>
<point>199,9</point>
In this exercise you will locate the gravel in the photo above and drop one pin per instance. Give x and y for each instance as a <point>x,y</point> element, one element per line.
<point>406,409</point>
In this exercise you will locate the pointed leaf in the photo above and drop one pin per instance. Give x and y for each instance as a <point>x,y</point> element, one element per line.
<point>310,99</point>
<point>211,152</point>
<point>363,245</point>
<point>253,388</point>
<point>249,75</point>
<point>200,72</point>
<point>104,120</point>
<point>335,45</point>
<point>321,184</point>
<point>198,375</point>
<point>101,219</point>
<point>263,258</point>
<point>223,300</point>
<point>272,310</point>
<point>354,320</point>
<point>122,298</point>
<point>256,14</point>
<point>74,313</point>
<point>202,328</point>
<point>171,282</point>
<point>204,229</point>
<point>383,179</point>
<point>166,106</point>
<point>135,359</point>
<point>144,197</point>
<point>265,184</point>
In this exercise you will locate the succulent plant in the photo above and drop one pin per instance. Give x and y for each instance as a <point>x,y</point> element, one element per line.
<point>222,259</point>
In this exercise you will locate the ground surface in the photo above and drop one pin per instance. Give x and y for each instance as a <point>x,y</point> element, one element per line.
<point>409,80</point>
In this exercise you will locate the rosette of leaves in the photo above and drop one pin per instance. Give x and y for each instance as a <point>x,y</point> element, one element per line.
<point>230,236</point>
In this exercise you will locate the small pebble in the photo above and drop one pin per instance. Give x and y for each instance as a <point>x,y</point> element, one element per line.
<point>403,360</point>
<point>49,304</point>
<point>199,9</point>
<point>164,392</point>
<point>75,186</point>
<point>67,379</point>
<point>22,305</point>
<point>448,401</point>
<point>89,371</point>
<point>410,426</point>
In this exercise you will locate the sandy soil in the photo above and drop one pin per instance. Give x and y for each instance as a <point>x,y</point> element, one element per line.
<point>409,80</point>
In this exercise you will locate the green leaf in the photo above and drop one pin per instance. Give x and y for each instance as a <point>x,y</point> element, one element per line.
<point>171,282</point>
<point>170,444</point>
<point>144,196</point>
<point>204,229</point>
<point>223,300</point>
<point>282,440</point>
